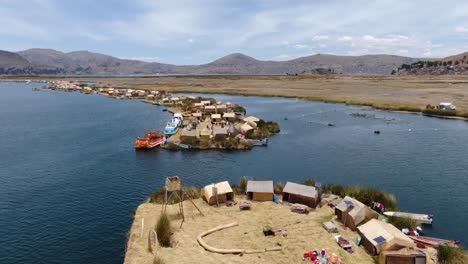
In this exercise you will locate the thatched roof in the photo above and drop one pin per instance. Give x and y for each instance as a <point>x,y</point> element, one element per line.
<point>383,235</point>
<point>219,188</point>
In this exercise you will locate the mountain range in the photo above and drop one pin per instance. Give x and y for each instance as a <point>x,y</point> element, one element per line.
<point>48,61</point>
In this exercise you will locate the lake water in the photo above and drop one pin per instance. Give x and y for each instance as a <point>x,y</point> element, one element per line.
<point>70,179</point>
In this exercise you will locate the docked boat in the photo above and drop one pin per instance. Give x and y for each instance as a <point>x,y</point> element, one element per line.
<point>173,125</point>
<point>259,142</point>
<point>151,140</point>
<point>420,218</point>
<point>433,242</point>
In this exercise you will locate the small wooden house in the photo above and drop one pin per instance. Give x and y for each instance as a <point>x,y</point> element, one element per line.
<point>209,109</point>
<point>403,256</point>
<point>229,117</point>
<point>188,136</point>
<point>218,193</point>
<point>197,115</point>
<point>302,194</point>
<point>377,236</point>
<point>260,190</point>
<point>353,213</point>
<point>216,118</point>
<point>220,133</point>
<point>222,108</point>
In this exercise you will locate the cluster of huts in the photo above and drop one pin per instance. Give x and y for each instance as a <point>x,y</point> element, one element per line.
<point>64,86</point>
<point>126,93</point>
<point>262,191</point>
<point>377,237</point>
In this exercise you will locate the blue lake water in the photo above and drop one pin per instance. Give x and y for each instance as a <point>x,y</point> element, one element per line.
<point>70,179</point>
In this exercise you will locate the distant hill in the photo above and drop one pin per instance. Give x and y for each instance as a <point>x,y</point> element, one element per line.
<point>457,64</point>
<point>14,64</point>
<point>89,63</point>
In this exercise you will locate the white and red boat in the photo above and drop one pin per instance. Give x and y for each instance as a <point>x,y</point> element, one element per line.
<point>151,140</point>
<point>433,242</point>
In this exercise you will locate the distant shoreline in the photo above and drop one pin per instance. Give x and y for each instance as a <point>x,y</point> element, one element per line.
<point>409,94</point>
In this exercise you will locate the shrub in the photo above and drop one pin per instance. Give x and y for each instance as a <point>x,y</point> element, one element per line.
<point>163,231</point>
<point>243,184</point>
<point>309,182</point>
<point>158,260</point>
<point>451,255</point>
<point>192,193</point>
<point>278,187</point>
<point>403,222</point>
<point>158,196</point>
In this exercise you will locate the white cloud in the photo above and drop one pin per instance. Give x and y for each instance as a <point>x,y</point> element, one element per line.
<point>144,58</point>
<point>300,46</point>
<point>190,40</point>
<point>345,39</point>
<point>320,37</point>
<point>461,29</point>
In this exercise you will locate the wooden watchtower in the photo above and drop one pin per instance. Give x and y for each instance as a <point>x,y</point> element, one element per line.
<point>173,189</point>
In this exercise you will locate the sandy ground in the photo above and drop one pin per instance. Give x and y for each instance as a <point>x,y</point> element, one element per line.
<point>304,233</point>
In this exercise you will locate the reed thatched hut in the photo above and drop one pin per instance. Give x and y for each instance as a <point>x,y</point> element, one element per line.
<point>353,213</point>
<point>377,236</point>
<point>218,193</point>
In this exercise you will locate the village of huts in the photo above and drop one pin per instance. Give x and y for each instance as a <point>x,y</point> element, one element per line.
<point>258,222</point>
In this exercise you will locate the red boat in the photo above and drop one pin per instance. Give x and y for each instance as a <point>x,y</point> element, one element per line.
<point>151,140</point>
<point>433,242</point>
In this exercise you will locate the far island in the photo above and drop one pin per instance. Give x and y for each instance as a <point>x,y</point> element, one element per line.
<point>205,123</point>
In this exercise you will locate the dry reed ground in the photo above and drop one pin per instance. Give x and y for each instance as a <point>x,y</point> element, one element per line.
<point>380,91</point>
<point>304,233</point>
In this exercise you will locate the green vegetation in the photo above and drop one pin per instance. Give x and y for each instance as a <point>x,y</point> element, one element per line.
<point>363,194</point>
<point>309,182</point>
<point>278,187</point>
<point>190,192</point>
<point>163,231</point>
<point>403,222</point>
<point>264,130</point>
<point>451,255</point>
<point>243,184</point>
<point>158,260</point>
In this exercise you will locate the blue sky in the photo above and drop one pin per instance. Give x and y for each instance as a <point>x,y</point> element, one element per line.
<point>194,32</point>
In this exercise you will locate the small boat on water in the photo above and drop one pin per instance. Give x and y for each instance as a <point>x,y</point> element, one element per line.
<point>377,132</point>
<point>36,89</point>
<point>420,218</point>
<point>173,125</point>
<point>259,142</point>
<point>433,242</point>
<point>151,140</point>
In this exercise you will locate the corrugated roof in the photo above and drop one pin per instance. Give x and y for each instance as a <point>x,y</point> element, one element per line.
<point>229,115</point>
<point>245,127</point>
<point>300,189</point>
<point>252,119</point>
<point>260,186</point>
<point>220,131</point>
<point>211,107</point>
<point>216,116</point>
<point>196,114</point>
<point>221,188</point>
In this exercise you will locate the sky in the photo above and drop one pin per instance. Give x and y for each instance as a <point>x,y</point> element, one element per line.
<point>196,32</point>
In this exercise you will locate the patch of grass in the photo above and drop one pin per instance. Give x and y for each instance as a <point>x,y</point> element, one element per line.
<point>440,112</point>
<point>164,231</point>
<point>309,182</point>
<point>403,222</point>
<point>278,187</point>
<point>158,260</point>
<point>243,184</point>
<point>365,195</point>
<point>451,255</point>
<point>192,192</point>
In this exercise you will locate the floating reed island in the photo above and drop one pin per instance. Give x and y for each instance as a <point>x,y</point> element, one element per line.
<point>205,123</point>
<point>261,221</point>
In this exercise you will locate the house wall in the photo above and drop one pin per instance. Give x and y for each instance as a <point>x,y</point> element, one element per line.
<point>294,198</point>
<point>262,197</point>
<point>222,198</point>
<point>402,260</point>
<point>368,245</point>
